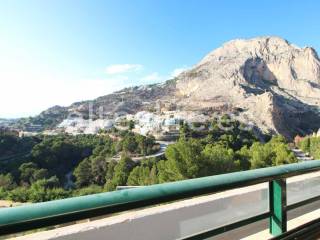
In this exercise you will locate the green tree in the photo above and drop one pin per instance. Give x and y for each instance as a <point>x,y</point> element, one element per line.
<point>110,170</point>
<point>244,156</point>
<point>219,159</point>
<point>121,173</point>
<point>129,144</point>
<point>304,145</point>
<point>46,190</point>
<point>315,147</point>
<point>135,178</point>
<point>26,171</point>
<point>92,189</point>
<point>142,175</point>
<point>184,161</point>
<point>6,181</point>
<point>261,156</point>
<point>19,194</point>
<point>131,124</point>
<point>99,168</point>
<point>142,145</point>
<point>273,153</point>
<point>184,130</point>
<point>29,172</point>
<point>57,193</point>
<point>83,173</point>
<point>40,174</point>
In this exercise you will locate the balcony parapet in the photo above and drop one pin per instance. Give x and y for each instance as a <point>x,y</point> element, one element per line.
<point>60,211</point>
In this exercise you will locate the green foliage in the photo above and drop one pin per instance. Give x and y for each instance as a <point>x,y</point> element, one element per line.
<point>261,156</point>
<point>131,124</point>
<point>52,157</point>
<point>59,154</point>
<point>6,182</point>
<point>40,191</point>
<point>3,193</point>
<point>137,144</point>
<point>184,161</point>
<point>129,144</point>
<point>44,189</point>
<point>110,171</point>
<point>99,167</point>
<point>29,172</point>
<point>196,158</point>
<point>311,145</point>
<point>83,173</point>
<point>145,174</point>
<point>57,193</point>
<point>215,150</point>
<point>219,159</point>
<point>184,130</point>
<point>91,171</point>
<point>13,145</point>
<point>244,157</point>
<point>19,194</point>
<point>304,145</point>
<point>230,133</point>
<point>121,173</point>
<point>92,189</point>
<point>273,153</point>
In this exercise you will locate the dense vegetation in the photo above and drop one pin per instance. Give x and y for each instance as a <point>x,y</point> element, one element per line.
<point>63,165</point>
<point>311,145</point>
<point>43,174</point>
<point>11,145</point>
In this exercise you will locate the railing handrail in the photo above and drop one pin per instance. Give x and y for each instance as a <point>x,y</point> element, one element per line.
<point>60,211</point>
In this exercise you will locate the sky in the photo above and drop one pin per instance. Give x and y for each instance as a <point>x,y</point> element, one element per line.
<point>57,52</point>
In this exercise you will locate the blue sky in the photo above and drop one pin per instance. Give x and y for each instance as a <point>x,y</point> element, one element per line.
<point>61,51</point>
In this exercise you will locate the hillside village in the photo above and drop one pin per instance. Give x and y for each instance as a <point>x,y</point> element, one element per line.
<point>164,125</point>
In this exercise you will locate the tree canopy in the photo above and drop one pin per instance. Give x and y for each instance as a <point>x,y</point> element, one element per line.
<point>54,163</point>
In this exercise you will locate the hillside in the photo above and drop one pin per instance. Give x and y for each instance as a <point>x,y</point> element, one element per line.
<point>270,82</point>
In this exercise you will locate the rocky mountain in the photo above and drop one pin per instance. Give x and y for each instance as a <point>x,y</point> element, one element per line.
<point>266,81</point>
<point>276,83</point>
<point>127,101</point>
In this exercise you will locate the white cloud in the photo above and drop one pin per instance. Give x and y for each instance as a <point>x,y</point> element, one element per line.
<point>178,71</point>
<point>29,94</point>
<point>123,68</point>
<point>36,87</point>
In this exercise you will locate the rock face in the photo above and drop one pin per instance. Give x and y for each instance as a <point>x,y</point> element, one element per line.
<point>275,82</point>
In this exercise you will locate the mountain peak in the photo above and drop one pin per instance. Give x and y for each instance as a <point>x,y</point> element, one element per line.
<point>254,46</point>
<point>242,71</point>
<point>274,82</point>
<point>261,39</point>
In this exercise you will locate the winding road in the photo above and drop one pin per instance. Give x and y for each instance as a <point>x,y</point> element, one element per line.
<point>161,152</point>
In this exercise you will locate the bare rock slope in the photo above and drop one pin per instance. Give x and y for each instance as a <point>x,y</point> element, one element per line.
<point>276,83</point>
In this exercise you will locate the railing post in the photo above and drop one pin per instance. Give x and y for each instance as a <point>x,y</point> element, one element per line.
<point>278,202</point>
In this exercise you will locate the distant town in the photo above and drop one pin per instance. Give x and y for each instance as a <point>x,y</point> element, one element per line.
<point>163,126</point>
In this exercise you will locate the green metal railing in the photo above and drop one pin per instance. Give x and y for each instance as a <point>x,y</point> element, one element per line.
<point>16,219</point>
